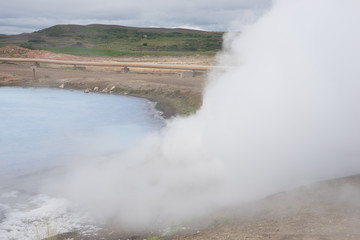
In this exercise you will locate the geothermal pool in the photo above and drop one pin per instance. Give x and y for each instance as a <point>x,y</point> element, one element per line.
<point>42,131</point>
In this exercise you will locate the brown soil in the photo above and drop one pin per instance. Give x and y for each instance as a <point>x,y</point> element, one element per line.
<point>19,52</point>
<point>174,91</point>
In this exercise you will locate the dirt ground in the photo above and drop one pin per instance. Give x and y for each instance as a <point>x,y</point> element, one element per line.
<point>325,211</point>
<point>328,210</point>
<point>173,92</point>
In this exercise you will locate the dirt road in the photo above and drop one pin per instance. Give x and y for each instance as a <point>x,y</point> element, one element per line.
<point>123,64</point>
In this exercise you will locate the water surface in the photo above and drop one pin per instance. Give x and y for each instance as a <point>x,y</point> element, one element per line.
<point>43,129</point>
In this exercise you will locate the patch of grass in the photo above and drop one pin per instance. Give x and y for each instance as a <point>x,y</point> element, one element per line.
<point>37,41</point>
<point>82,51</point>
<point>117,40</point>
<point>27,45</point>
<point>55,31</point>
<point>154,238</point>
<point>183,106</point>
<point>113,52</point>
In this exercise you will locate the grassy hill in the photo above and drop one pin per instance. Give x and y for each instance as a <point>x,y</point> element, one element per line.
<point>118,40</point>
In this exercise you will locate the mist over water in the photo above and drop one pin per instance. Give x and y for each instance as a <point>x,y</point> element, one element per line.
<point>42,131</point>
<point>284,113</point>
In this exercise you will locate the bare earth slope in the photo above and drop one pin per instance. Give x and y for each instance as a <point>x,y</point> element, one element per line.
<point>326,210</point>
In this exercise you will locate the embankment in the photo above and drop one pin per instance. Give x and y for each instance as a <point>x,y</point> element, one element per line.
<point>174,93</point>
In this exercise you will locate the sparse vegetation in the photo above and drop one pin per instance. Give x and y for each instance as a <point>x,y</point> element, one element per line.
<point>37,41</point>
<point>55,31</point>
<point>46,230</point>
<point>154,238</point>
<point>27,45</point>
<point>118,40</point>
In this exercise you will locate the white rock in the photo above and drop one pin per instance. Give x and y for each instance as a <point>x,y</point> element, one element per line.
<point>105,90</point>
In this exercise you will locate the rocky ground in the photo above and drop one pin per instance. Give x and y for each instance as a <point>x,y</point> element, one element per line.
<point>328,210</point>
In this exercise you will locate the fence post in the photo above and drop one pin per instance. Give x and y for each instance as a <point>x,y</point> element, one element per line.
<point>33,68</point>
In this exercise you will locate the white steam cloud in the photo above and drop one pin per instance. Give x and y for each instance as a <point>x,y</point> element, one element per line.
<point>285,113</point>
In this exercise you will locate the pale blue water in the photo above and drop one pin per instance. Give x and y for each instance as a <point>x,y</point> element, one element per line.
<point>43,128</point>
<point>42,131</point>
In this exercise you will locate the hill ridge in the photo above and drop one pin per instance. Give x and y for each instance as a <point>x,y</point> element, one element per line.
<point>118,40</point>
<point>155,29</point>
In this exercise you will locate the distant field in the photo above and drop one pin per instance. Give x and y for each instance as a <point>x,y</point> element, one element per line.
<point>114,52</point>
<point>111,40</point>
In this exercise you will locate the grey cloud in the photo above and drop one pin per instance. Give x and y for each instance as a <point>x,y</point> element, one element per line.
<point>214,15</point>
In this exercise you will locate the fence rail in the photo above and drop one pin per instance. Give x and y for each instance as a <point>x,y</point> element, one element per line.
<point>113,64</point>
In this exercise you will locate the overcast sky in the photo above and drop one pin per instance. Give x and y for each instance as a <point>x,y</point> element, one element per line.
<point>17,16</point>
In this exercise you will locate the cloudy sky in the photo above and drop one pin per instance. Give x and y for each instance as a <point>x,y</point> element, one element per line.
<point>17,16</point>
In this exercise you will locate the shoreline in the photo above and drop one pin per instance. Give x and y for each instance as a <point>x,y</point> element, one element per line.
<point>172,94</point>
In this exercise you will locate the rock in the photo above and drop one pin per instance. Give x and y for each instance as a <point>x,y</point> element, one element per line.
<point>62,86</point>
<point>186,74</point>
<point>125,70</point>
<point>105,90</point>
<point>87,90</point>
<point>79,68</point>
<point>96,89</point>
<point>112,88</point>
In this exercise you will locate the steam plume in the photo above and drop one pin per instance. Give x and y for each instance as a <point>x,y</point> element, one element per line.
<point>285,113</point>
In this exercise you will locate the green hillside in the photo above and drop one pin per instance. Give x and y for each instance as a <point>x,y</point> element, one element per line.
<point>118,40</point>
